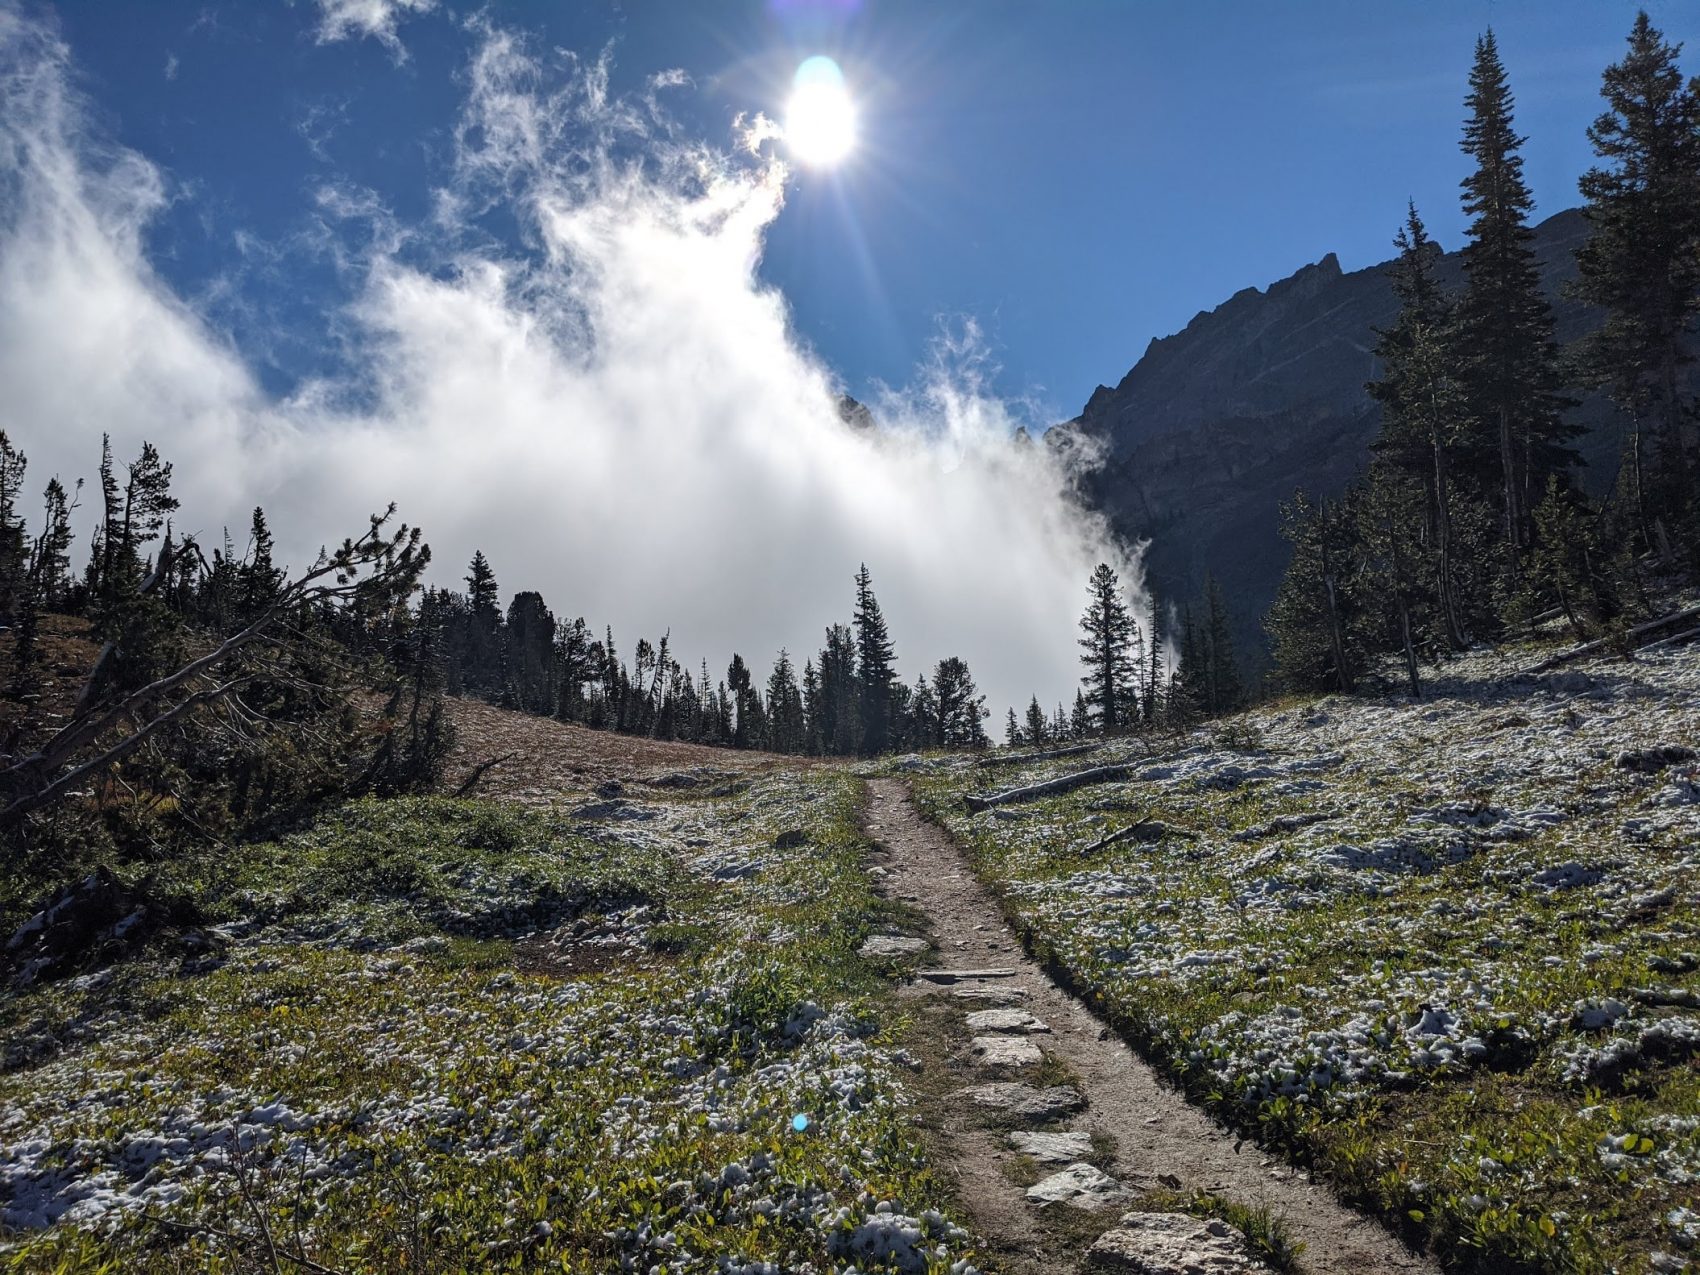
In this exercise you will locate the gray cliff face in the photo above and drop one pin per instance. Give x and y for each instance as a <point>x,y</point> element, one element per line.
<point>1219,423</point>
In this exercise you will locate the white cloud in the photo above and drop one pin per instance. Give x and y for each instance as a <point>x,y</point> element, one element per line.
<point>379,19</point>
<point>620,418</point>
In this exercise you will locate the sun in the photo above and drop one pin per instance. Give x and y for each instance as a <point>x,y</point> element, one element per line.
<point>820,119</point>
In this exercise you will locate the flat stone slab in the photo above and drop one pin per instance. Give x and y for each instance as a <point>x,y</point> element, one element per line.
<point>1024,1102</point>
<point>1017,1021</point>
<point>891,945</point>
<point>1004,1051</point>
<point>1052,1148</point>
<point>990,995</point>
<point>1081,1185</point>
<point>1173,1244</point>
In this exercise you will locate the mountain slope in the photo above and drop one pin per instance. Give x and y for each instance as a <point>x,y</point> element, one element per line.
<point>1219,423</point>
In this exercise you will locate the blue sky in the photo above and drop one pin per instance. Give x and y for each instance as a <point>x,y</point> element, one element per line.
<point>331,254</point>
<point>1076,177</point>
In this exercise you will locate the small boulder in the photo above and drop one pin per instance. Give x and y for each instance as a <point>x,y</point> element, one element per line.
<point>1082,1185</point>
<point>790,839</point>
<point>1651,760</point>
<point>95,920</point>
<point>1173,1244</point>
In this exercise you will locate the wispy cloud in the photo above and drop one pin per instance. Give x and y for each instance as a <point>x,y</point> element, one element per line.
<point>377,19</point>
<point>620,415</point>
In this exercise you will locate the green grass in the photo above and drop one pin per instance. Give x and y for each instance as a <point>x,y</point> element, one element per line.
<point>443,1112</point>
<point>1229,960</point>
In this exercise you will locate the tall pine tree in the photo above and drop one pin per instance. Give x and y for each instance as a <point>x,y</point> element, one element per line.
<point>1109,644</point>
<point>1642,265</point>
<point>874,659</point>
<point>1505,329</point>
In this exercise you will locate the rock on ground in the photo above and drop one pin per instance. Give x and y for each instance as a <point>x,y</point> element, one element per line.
<point>1052,1148</point>
<point>891,945</point>
<point>1082,1185</point>
<point>990,995</point>
<point>1005,1020</point>
<point>1024,1102</point>
<point>1173,1244</point>
<point>1004,1051</point>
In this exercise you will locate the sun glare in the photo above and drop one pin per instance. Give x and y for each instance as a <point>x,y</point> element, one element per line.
<point>820,120</point>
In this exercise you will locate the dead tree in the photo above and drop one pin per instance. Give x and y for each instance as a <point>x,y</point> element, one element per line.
<point>381,568</point>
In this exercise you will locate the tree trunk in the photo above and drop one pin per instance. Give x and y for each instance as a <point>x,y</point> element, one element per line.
<point>1410,650</point>
<point>1513,514</point>
<point>1443,538</point>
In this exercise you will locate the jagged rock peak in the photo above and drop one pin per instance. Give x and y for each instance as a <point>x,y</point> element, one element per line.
<point>855,415</point>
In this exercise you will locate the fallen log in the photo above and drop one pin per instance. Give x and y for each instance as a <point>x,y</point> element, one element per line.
<point>1021,759</point>
<point>1606,643</point>
<point>1679,639</point>
<point>1051,787</point>
<point>1140,829</point>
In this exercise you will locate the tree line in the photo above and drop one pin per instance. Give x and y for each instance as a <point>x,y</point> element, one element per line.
<point>1140,677</point>
<point>1469,524</point>
<point>845,701</point>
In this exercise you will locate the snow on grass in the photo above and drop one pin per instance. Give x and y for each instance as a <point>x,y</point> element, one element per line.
<point>366,1065</point>
<point>1447,949</point>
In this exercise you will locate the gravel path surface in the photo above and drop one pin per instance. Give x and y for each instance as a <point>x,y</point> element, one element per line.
<point>1160,1138</point>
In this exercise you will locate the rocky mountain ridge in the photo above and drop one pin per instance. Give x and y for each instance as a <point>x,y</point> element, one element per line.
<point>1217,424</point>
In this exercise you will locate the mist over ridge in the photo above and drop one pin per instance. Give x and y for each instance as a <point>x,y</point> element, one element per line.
<point>620,417</point>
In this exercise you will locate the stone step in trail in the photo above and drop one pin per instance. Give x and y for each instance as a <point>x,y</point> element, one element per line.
<point>1022,1027</point>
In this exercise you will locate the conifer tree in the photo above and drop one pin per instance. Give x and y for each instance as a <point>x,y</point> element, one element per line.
<point>148,501</point>
<point>840,733</point>
<point>1641,263</point>
<point>1394,577</point>
<point>923,715</point>
<point>961,707</point>
<point>481,591</point>
<point>1080,720</point>
<point>1108,645</point>
<point>1011,729</point>
<point>786,727</point>
<point>14,541</point>
<point>50,558</point>
<point>813,709</point>
<point>1570,565</point>
<point>1189,694</point>
<point>1312,622</point>
<point>257,578</point>
<point>480,645</point>
<point>1509,359</point>
<point>572,668</point>
<point>1226,691</point>
<point>1035,722</point>
<point>531,663</point>
<point>1427,433</point>
<point>874,659</point>
<point>102,573</point>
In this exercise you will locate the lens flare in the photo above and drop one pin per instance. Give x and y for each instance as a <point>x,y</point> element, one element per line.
<point>820,119</point>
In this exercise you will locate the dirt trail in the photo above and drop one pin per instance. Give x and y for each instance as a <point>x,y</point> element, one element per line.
<point>1159,1136</point>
